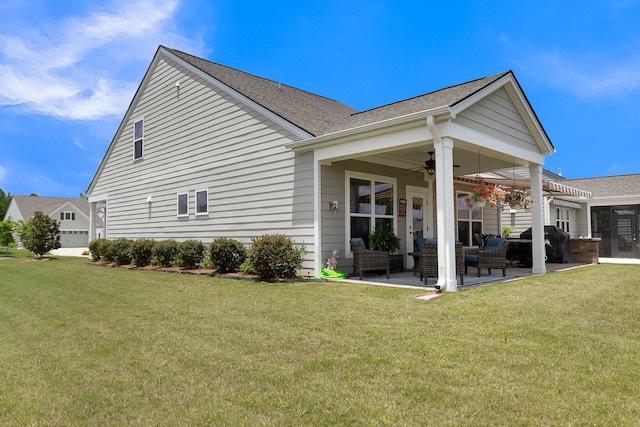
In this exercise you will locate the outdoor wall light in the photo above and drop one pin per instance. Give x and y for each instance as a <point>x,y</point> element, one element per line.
<point>333,206</point>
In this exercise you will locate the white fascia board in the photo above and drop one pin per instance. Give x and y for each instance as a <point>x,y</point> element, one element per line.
<point>392,125</point>
<point>613,200</point>
<point>482,140</point>
<point>373,144</point>
<point>519,100</point>
<point>300,133</point>
<point>98,198</point>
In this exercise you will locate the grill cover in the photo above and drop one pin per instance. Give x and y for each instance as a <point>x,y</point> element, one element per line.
<point>556,249</point>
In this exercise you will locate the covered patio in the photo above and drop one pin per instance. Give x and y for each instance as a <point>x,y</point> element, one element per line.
<point>480,126</point>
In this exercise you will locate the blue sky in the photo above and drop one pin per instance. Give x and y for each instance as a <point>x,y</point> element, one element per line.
<point>68,70</point>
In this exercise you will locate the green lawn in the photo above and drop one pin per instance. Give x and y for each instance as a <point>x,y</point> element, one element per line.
<point>87,345</point>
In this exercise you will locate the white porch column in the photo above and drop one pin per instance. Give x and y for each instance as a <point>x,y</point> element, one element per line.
<point>537,232</point>
<point>93,215</point>
<point>317,216</point>
<point>445,207</point>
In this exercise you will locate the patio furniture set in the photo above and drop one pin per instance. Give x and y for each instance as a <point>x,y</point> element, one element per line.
<point>492,254</point>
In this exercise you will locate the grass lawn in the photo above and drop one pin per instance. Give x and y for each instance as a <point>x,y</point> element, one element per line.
<point>87,345</point>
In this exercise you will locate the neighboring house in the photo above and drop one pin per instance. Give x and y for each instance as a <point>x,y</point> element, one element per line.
<point>612,214</point>
<point>72,214</point>
<point>207,151</point>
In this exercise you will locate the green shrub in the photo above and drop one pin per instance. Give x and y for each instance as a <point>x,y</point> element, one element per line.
<point>121,250</point>
<point>142,252</point>
<point>274,256</point>
<point>165,253</point>
<point>227,255</point>
<point>246,267</point>
<point>190,253</point>
<point>97,248</point>
<point>108,254</point>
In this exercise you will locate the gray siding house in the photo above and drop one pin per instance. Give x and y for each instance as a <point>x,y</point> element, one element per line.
<point>207,151</point>
<point>72,214</point>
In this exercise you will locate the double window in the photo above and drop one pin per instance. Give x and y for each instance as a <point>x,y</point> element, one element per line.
<point>201,203</point>
<point>138,139</point>
<point>371,200</point>
<point>469,221</point>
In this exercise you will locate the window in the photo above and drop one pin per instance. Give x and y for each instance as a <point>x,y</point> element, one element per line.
<point>67,216</point>
<point>183,204</point>
<point>562,219</point>
<point>469,221</point>
<point>202,202</point>
<point>138,138</point>
<point>371,200</point>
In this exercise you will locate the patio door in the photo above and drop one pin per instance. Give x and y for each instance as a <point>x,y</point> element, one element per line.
<point>419,223</point>
<point>625,232</point>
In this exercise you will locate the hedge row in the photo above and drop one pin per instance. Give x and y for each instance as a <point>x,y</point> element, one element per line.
<point>270,256</point>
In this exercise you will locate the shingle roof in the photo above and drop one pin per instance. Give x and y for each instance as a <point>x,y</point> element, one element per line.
<point>319,115</point>
<point>306,110</point>
<point>449,96</point>
<point>608,186</point>
<point>29,204</point>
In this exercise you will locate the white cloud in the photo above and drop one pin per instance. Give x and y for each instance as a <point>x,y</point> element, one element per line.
<point>588,77</point>
<point>91,68</point>
<point>3,173</point>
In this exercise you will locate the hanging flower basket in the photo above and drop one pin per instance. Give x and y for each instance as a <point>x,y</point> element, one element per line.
<point>519,199</point>
<point>484,193</point>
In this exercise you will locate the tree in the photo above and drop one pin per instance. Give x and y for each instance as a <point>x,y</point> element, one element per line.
<point>40,234</point>
<point>6,233</point>
<point>5,199</point>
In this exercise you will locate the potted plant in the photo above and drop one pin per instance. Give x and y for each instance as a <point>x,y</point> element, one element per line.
<point>384,239</point>
<point>484,193</point>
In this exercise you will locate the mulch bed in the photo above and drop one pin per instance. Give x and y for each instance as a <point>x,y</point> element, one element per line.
<point>239,275</point>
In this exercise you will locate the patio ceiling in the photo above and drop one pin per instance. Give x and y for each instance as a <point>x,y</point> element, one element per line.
<point>470,161</point>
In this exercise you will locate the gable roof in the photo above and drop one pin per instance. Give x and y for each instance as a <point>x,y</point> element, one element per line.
<point>318,115</point>
<point>609,186</point>
<point>447,97</point>
<point>28,205</point>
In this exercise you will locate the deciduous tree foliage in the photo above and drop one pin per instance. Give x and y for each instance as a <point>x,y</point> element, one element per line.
<point>6,233</point>
<point>5,199</point>
<point>40,234</point>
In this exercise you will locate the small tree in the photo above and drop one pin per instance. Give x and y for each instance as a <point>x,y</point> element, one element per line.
<point>6,233</point>
<point>40,234</point>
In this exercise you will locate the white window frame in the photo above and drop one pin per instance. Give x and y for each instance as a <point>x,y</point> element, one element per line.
<point>372,215</point>
<point>178,214</point>
<point>469,220</point>
<point>64,214</point>
<point>138,139</point>
<point>563,219</point>
<point>203,190</point>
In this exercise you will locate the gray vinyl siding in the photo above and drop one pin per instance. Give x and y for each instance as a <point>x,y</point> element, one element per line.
<point>582,222</point>
<point>204,139</point>
<point>520,220</point>
<point>497,116</point>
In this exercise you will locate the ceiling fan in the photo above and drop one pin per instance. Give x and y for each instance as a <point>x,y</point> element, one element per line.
<point>430,165</point>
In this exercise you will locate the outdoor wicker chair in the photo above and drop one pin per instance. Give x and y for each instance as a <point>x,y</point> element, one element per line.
<point>429,260</point>
<point>492,255</point>
<point>369,260</point>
